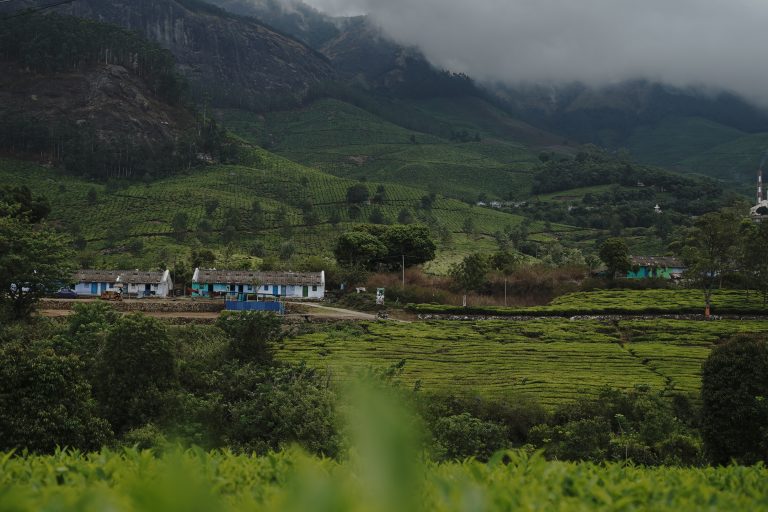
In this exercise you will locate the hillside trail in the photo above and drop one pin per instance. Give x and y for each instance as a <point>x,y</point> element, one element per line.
<point>339,313</point>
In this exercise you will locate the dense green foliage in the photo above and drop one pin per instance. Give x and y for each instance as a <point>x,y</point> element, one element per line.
<point>385,247</point>
<point>734,392</point>
<point>251,335</point>
<point>19,202</point>
<point>197,481</point>
<point>34,260</point>
<point>598,190</point>
<point>45,400</point>
<point>643,426</point>
<point>135,372</point>
<point>615,255</point>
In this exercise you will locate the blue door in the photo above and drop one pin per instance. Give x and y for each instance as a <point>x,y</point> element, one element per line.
<point>275,290</point>
<point>94,288</point>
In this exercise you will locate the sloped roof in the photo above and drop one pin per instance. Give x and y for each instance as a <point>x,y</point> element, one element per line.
<point>261,278</point>
<point>656,261</point>
<point>122,276</point>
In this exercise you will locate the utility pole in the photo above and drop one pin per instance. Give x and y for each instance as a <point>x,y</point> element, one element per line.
<point>403,255</point>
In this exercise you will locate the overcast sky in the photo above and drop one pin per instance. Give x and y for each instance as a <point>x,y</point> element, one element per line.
<point>715,43</point>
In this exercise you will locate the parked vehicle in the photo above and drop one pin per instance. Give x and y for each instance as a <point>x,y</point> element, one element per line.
<point>66,293</point>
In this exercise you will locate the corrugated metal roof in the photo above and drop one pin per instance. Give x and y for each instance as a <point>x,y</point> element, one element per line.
<point>656,261</point>
<point>122,276</point>
<point>260,278</point>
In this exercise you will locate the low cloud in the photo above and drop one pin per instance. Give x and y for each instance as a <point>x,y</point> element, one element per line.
<point>710,43</point>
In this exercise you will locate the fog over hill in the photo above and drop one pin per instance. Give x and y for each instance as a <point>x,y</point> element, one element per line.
<point>709,44</point>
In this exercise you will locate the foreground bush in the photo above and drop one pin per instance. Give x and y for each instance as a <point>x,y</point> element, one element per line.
<point>195,480</point>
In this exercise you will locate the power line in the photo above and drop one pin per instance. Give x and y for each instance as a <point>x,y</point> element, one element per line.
<point>27,12</point>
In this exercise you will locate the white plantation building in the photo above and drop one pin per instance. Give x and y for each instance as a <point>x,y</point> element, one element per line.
<point>242,283</point>
<point>131,283</point>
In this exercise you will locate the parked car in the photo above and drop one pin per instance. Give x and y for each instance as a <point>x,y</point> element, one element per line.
<point>66,293</point>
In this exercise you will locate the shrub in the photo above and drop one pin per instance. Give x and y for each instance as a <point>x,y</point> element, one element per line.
<point>251,335</point>
<point>45,401</point>
<point>585,439</point>
<point>463,436</point>
<point>135,372</point>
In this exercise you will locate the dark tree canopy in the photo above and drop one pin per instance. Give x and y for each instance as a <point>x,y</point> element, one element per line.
<point>412,241</point>
<point>45,401</point>
<point>711,250</point>
<point>735,401</point>
<point>359,249</point>
<point>251,335</point>
<point>135,372</point>
<point>470,273</point>
<point>358,193</point>
<point>34,260</point>
<point>19,202</point>
<point>615,255</point>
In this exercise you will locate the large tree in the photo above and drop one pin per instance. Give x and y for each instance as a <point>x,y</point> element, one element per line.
<point>470,273</point>
<point>34,260</point>
<point>615,255</point>
<point>359,249</point>
<point>411,244</point>
<point>711,251</point>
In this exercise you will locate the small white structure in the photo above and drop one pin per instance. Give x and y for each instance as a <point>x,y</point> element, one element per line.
<point>241,283</point>
<point>131,283</point>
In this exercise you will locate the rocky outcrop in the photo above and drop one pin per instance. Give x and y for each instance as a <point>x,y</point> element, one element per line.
<point>107,99</point>
<point>232,60</point>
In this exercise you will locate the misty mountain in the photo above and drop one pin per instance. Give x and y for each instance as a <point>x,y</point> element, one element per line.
<point>609,115</point>
<point>297,19</point>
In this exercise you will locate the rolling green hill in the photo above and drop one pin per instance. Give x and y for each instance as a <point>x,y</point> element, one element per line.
<point>676,138</point>
<point>350,142</point>
<point>698,145</point>
<point>298,206</point>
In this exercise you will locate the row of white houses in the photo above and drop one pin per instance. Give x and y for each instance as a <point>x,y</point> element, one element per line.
<point>205,283</point>
<point>131,283</point>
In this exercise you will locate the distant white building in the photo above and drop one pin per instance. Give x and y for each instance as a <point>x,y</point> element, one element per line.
<point>131,283</point>
<point>239,284</point>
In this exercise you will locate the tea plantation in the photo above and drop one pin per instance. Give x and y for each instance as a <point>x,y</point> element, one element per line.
<point>620,302</point>
<point>194,481</point>
<point>297,205</point>
<point>550,361</point>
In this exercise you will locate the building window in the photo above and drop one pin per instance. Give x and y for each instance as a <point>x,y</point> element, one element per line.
<point>314,288</point>
<point>266,287</point>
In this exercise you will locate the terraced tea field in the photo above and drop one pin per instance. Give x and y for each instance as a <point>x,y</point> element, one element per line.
<point>620,302</point>
<point>283,190</point>
<point>551,361</point>
<point>347,141</point>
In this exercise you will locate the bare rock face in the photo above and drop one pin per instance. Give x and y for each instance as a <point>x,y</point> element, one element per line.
<point>232,60</point>
<point>107,99</point>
